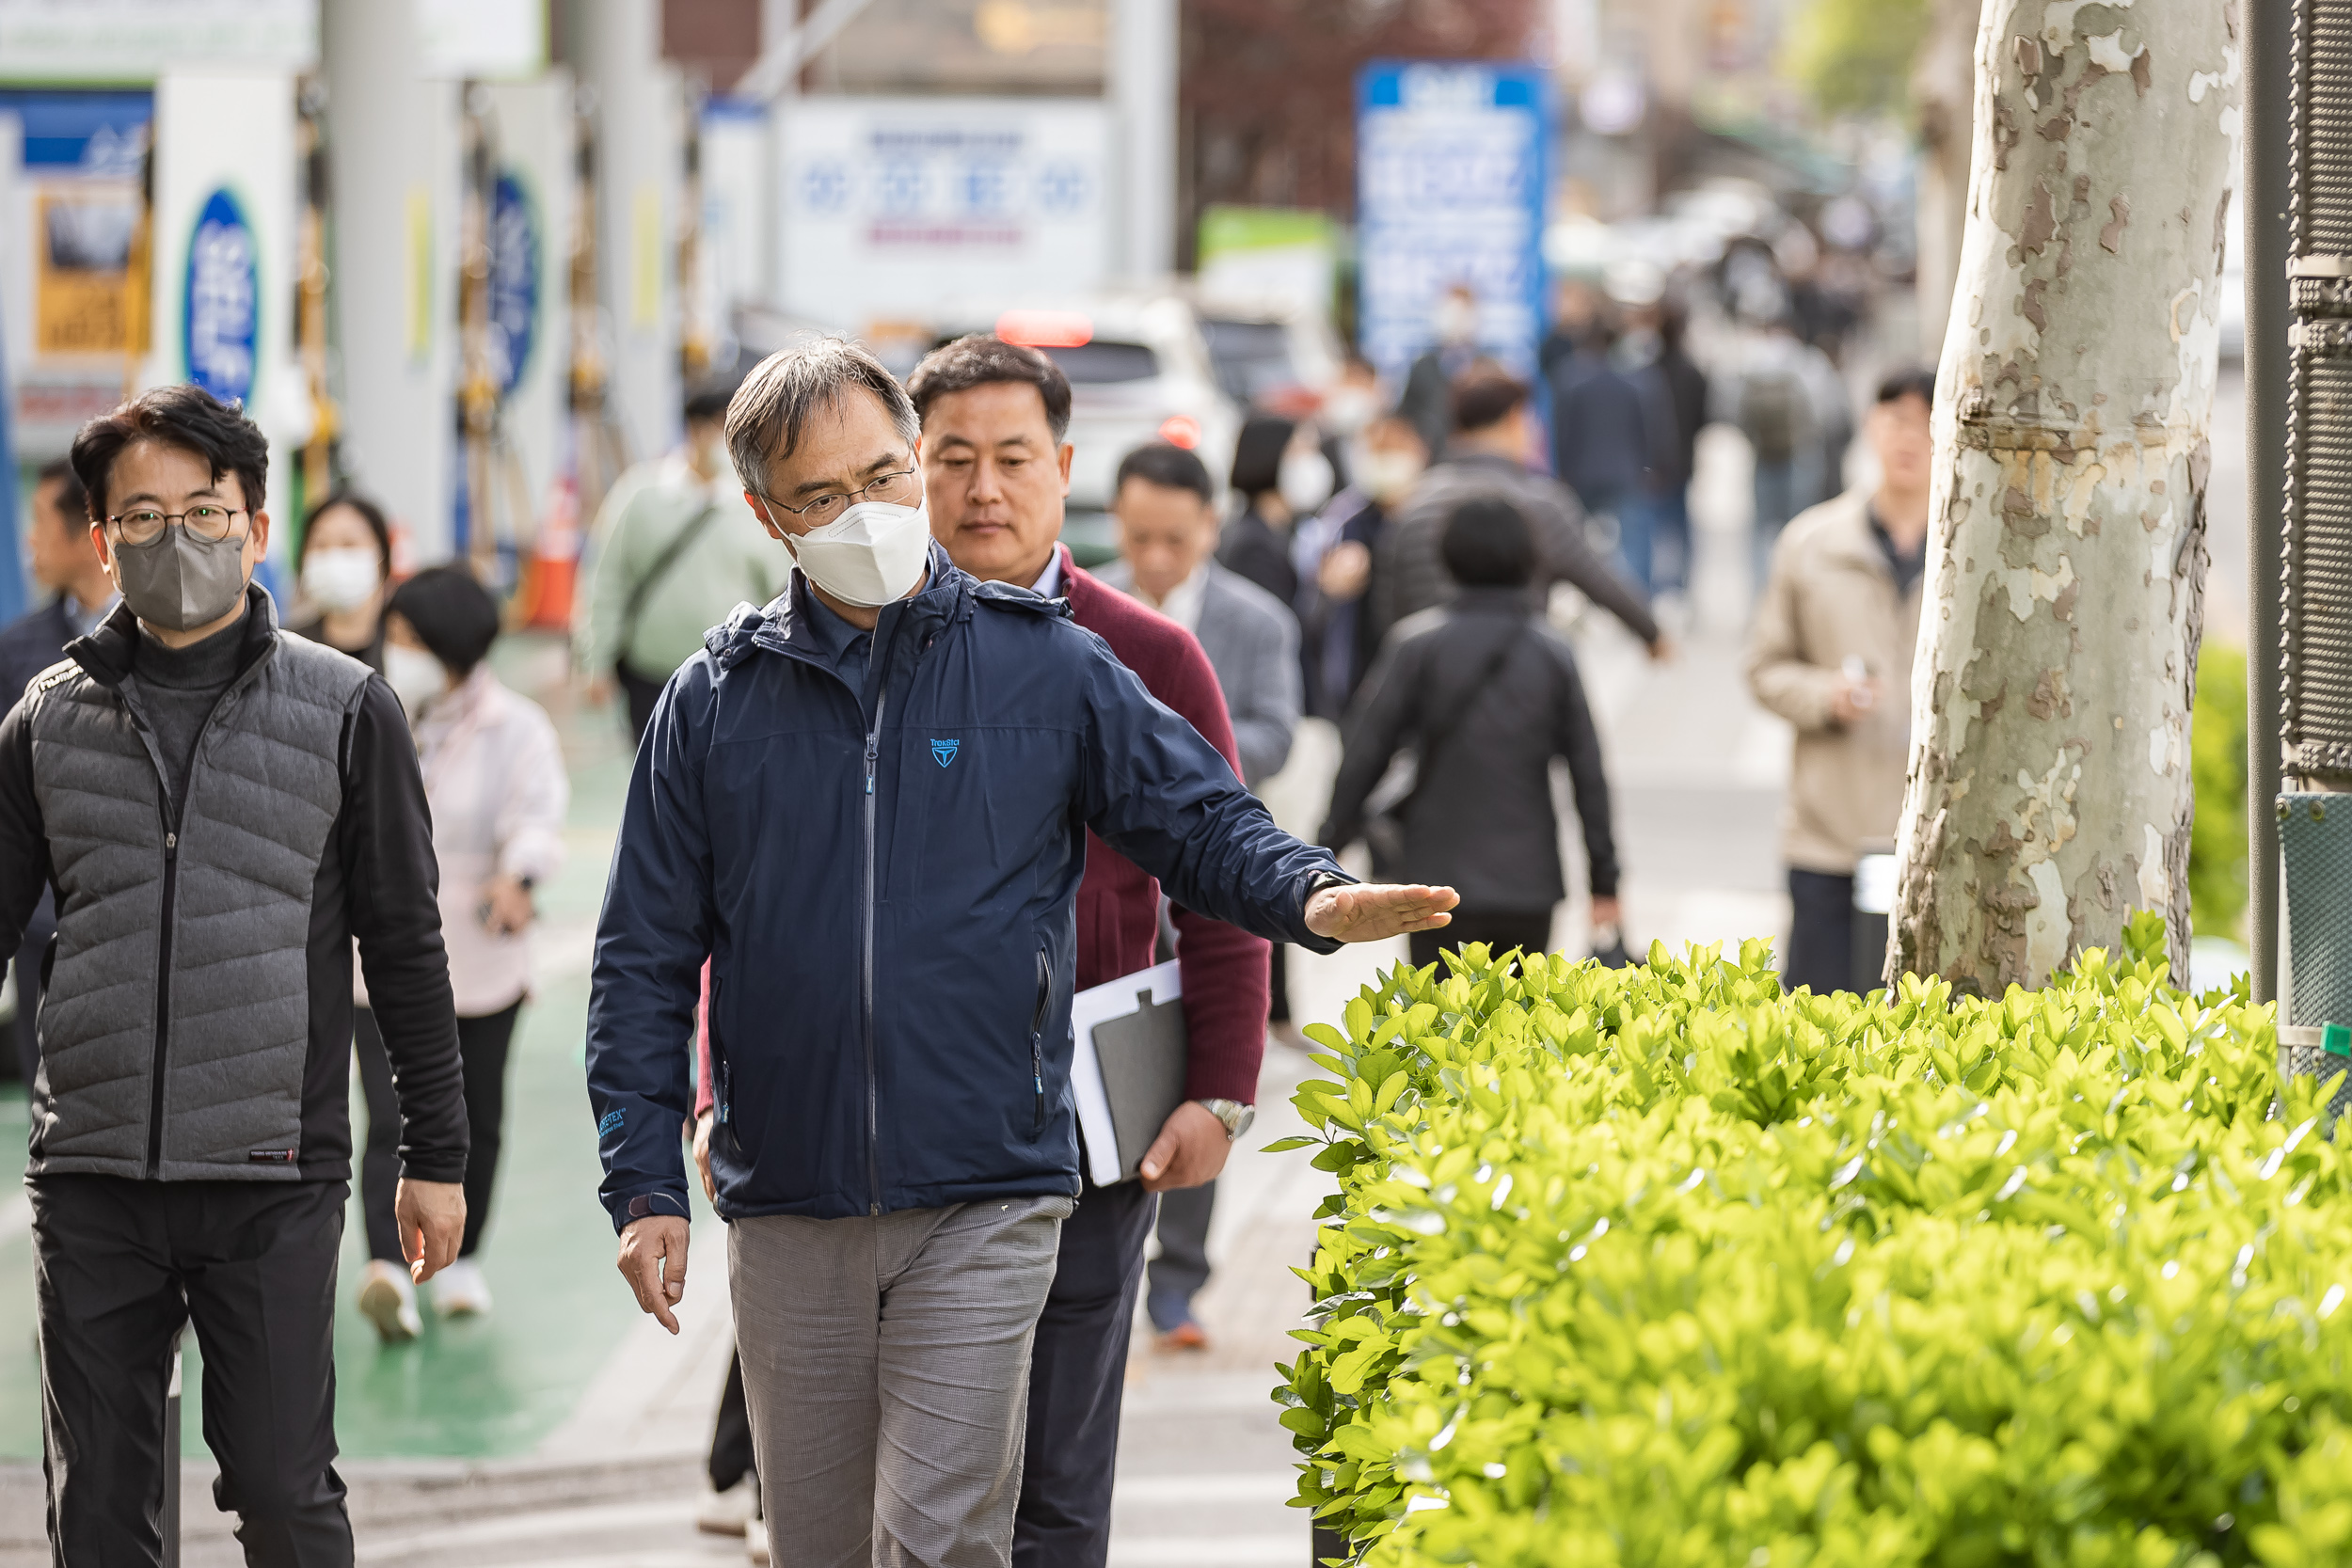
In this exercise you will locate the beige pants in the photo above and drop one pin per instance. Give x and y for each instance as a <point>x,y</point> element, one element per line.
<point>886,1370</point>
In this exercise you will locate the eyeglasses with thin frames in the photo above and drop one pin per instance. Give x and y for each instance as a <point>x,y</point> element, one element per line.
<point>892,488</point>
<point>146,524</point>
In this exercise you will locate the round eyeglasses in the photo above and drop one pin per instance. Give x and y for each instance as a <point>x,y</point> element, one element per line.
<point>895,489</point>
<point>145,526</point>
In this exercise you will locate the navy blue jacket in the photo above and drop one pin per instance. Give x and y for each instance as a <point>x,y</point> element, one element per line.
<point>885,883</point>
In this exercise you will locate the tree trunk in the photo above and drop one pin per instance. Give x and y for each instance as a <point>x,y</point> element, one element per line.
<point>2049,789</point>
<point>1943,90</point>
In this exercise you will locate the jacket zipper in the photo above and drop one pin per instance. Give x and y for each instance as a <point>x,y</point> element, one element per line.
<point>163,997</point>
<point>873,1110</point>
<point>1037,1036</point>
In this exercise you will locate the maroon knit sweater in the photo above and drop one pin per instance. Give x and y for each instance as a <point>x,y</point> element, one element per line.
<point>1224,968</point>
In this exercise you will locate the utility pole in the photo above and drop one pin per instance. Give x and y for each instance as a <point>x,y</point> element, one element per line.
<point>1143,66</point>
<point>2269,52</point>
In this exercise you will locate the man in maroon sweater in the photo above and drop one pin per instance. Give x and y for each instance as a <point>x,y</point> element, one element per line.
<point>995,468</point>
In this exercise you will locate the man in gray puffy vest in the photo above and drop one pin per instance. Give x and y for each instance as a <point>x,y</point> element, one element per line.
<point>220,809</point>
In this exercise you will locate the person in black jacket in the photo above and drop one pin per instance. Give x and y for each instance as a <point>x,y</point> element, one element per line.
<point>221,810</point>
<point>57,551</point>
<point>1487,695</point>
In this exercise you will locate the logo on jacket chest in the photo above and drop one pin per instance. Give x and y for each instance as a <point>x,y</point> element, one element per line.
<point>944,750</point>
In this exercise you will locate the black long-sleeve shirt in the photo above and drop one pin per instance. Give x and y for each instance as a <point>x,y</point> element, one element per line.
<point>378,881</point>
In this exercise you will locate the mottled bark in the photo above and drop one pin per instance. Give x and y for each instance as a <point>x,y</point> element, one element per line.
<point>1943,95</point>
<point>2049,790</point>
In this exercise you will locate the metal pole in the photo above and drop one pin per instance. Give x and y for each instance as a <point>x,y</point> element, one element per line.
<point>1143,93</point>
<point>2269,50</point>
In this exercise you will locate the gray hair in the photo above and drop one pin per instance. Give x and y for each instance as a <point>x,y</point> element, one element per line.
<point>773,407</point>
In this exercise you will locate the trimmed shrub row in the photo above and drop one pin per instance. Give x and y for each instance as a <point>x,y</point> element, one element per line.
<point>1660,1266</point>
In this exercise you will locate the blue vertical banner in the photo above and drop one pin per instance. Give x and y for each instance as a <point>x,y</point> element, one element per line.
<point>1451,184</point>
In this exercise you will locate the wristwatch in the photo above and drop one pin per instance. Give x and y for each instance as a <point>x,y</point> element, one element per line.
<point>1232,1113</point>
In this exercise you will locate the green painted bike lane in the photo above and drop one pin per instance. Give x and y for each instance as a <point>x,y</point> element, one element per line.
<point>483,1388</point>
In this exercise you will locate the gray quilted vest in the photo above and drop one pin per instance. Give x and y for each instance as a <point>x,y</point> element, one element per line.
<point>176,1023</point>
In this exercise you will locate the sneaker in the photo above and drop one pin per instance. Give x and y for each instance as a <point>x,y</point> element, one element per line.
<point>755,1540</point>
<point>460,1292</point>
<point>387,1299</point>
<point>728,1513</point>
<point>1185,1335</point>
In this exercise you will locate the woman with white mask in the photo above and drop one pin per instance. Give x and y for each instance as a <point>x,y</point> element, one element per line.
<point>494,777</point>
<point>343,566</point>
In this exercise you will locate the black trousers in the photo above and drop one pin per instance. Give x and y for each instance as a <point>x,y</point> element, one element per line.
<point>1821,932</point>
<point>482,1044</point>
<point>731,1457</point>
<point>1077,1372</point>
<point>118,1267</point>
<point>640,695</point>
<point>1279,984</point>
<point>1498,930</point>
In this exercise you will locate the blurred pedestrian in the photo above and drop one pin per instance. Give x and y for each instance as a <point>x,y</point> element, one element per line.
<point>1166,505</point>
<point>1608,429</point>
<point>673,551</point>
<point>63,558</point>
<point>1337,553</point>
<point>1483,695</point>
<point>343,566</point>
<point>828,793</point>
<point>1666,499</point>
<point>494,777</point>
<point>1770,397</point>
<point>1831,651</point>
<point>223,809</point>
<point>1494,441</point>
<point>1281,476</point>
<point>987,408</point>
<point>1427,398</point>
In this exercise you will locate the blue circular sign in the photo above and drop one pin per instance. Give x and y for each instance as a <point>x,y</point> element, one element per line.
<point>220,316</point>
<point>514,288</point>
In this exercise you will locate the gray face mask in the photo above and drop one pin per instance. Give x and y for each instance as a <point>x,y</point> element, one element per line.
<point>179,582</point>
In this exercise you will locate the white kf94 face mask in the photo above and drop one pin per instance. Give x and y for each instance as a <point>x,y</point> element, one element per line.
<point>872,555</point>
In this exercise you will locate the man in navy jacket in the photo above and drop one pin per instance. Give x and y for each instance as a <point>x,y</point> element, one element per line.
<point>865,804</point>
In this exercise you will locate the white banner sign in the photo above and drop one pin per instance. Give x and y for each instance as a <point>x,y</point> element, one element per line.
<point>893,205</point>
<point>131,40</point>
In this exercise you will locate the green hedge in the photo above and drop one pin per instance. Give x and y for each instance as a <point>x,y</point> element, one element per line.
<point>1660,1266</point>
<point>2217,764</point>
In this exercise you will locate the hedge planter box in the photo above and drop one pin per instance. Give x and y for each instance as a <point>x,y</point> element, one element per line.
<point>1659,1266</point>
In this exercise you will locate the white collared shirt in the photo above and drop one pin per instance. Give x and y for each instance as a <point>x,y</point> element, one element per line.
<point>1048,586</point>
<point>1183,604</point>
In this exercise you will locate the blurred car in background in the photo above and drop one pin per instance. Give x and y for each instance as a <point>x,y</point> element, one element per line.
<point>1268,353</point>
<point>1139,371</point>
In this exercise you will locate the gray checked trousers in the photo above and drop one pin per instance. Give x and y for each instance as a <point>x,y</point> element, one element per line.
<point>886,1370</point>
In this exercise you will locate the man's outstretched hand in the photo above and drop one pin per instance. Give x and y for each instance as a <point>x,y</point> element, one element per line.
<point>1374,911</point>
<point>653,1260</point>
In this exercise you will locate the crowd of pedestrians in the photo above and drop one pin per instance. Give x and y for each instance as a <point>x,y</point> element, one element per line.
<point>905,774</point>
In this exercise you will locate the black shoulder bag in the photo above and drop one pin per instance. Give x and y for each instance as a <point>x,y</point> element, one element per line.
<point>679,544</point>
<point>1393,797</point>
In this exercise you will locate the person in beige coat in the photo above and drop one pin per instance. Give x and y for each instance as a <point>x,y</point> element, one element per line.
<point>1831,651</point>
